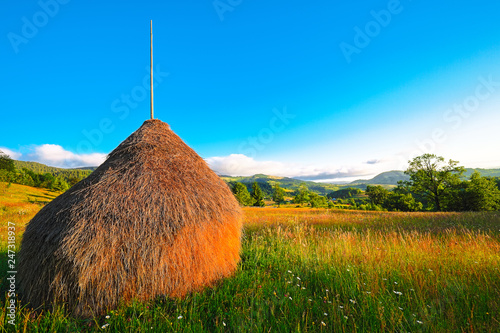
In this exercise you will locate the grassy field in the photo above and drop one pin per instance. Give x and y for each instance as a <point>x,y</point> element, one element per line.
<point>306,270</point>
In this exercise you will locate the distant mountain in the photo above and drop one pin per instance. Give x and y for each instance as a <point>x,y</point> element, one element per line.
<point>388,179</point>
<point>483,172</point>
<point>385,178</point>
<point>392,177</point>
<point>289,184</point>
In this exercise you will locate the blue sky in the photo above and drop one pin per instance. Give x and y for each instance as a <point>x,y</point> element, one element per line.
<point>319,90</point>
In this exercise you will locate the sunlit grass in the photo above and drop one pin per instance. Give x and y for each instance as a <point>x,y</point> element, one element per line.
<point>318,270</point>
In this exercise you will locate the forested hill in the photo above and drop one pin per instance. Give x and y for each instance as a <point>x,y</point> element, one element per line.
<point>392,177</point>
<point>65,173</point>
<point>266,182</point>
<point>385,178</point>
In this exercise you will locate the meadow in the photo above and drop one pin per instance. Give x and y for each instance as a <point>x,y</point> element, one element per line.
<point>313,270</point>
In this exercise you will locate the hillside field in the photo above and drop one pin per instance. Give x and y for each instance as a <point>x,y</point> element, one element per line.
<point>312,270</point>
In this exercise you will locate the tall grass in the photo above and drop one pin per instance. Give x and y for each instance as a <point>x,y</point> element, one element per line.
<point>308,270</point>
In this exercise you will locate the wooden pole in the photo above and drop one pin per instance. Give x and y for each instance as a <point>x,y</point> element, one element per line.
<point>152,114</point>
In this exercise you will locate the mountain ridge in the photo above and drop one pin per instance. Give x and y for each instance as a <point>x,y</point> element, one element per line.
<point>388,178</point>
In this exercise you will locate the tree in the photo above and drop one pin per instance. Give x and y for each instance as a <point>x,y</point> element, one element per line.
<point>58,184</point>
<point>318,201</point>
<point>6,163</point>
<point>482,194</point>
<point>241,194</point>
<point>377,194</point>
<point>432,177</point>
<point>257,195</point>
<point>72,180</point>
<point>302,195</point>
<point>278,194</point>
<point>344,193</point>
<point>402,202</point>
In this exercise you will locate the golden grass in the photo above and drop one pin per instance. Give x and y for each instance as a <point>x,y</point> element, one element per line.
<point>18,204</point>
<point>430,251</point>
<point>429,272</point>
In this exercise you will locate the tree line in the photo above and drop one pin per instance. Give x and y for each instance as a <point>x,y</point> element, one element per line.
<point>437,185</point>
<point>434,185</point>
<point>10,174</point>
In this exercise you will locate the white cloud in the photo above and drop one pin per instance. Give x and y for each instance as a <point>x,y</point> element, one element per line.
<point>57,156</point>
<point>12,154</point>
<point>241,165</point>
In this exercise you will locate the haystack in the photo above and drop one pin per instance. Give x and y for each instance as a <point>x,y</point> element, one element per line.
<point>152,220</point>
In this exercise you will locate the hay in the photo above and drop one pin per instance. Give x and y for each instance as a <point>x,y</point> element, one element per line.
<point>152,220</point>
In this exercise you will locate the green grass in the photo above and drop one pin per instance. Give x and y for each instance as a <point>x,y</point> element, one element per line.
<point>306,270</point>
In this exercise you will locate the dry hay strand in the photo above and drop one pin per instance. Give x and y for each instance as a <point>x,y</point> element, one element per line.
<point>152,220</point>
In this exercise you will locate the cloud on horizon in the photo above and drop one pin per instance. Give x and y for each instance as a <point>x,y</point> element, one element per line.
<point>12,154</point>
<point>56,156</point>
<point>242,165</point>
<point>232,165</point>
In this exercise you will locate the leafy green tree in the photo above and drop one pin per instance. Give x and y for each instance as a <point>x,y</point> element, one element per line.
<point>402,202</point>
<point>242,195</point>
<point>58,184</point>
<point>257,195</point>
<point>318,201</point>
<point>302,195</point>
<point>72,180</point>
<point>6,163</point>
<point>497,181</point>
<point>432,177</point>
<point>352,203</point>
<point>344,193</point>
<point>278,194</point>
<point>377,194</point>
<point>482,194</point>
<point>46,180</point>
